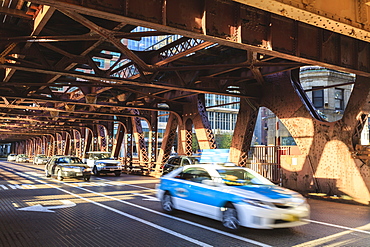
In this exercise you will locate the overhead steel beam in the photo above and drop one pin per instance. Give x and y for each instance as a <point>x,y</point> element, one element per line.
<point>238,25</point>
<point>15,13</point>
<point>347,17</point>
<point>49,109</point>
<point>121,81</point>
<point>66,102</point>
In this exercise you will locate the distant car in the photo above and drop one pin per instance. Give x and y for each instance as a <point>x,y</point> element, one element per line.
<point>67,167</point>
<point>102,162</point>
<point>236,196</point>
<point>12,157</point>
<point>22,158</point>
<point>40,159</point>
<point>177,161</point>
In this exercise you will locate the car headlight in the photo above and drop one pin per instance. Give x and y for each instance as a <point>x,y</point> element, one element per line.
<point>258,203</point>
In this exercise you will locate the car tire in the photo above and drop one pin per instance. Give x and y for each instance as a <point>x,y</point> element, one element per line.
<point>95,171</point>
<point>167,203</point>
<point>47,174</point>
<point>230,217</point>
<point>59,175</point>
<point>86,178</point>
<point>117,174</point>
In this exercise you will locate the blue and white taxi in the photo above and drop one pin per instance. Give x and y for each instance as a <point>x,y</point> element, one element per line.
<point>236,196</point>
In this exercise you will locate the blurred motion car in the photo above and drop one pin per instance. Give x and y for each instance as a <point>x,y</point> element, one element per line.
<point>22,158</point>
<point>12,157</point>
<point>63,167</point>
<point>236,196</point>
<point>177,161</point>
<point>40,159</point>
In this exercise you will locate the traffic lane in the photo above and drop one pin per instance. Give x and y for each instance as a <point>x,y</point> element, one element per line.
<point>74,226</point>
<point>178,239</point>
<point>349,215</point>
<point>284,237</point>
<point>289,237</point>
<point>171,224</point>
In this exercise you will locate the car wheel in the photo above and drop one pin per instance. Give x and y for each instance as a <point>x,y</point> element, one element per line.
<point>47,174</point>
<point>230,217</point>
<point>167,204</point>
<point>86,178</point>
<point>59,175</point>
<point>95,171</point>
<point>117,174</point>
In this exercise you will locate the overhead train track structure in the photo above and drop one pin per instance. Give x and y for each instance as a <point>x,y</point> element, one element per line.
<point>56,99</point>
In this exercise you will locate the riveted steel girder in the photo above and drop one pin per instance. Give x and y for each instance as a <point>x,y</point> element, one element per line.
<point>327,148</point>
<point>241,25</point>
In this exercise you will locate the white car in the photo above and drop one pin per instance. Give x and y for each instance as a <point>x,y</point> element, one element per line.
<point>236,196</point>
<point>22,158</point>
<point>12,157</point>
<point>101,162</point>
<point>40,159</point>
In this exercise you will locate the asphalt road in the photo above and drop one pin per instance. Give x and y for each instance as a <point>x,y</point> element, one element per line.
<point>123,211</point>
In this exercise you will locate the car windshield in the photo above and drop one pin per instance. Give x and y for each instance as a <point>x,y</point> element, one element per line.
<point>71,160</point>
<point>240,177</point>
<point>194,160</point>
<point>99,156</point>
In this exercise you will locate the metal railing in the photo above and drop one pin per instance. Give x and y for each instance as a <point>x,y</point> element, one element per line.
<point>266,161</point>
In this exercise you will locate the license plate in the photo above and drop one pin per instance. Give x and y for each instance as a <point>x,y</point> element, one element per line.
<point>291,217</point>
<point>78,173</point>
<point>112,169</point>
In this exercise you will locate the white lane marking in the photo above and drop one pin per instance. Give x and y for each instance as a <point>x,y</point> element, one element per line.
<point>168,216</point>
<point>176,218</point>
<point>147,198</point>
<point>40,208</point>
<point>132,185</point>
<point>208,228</point>
<point>166,230</point>
<point>338,226</point>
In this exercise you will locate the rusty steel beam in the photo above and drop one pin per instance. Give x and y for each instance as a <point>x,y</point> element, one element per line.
<point>122,81</point>
<point>83,37</point>
<point>236,25</point>
<point>65,102</point>
<point>15,12</point>
<point>347,17</point>
<point>50,109</point>
<point>108,35</point>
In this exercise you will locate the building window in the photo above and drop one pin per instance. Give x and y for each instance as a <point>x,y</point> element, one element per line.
<point>163,116</point>
<point>339,99</point>
<point>318,98</point>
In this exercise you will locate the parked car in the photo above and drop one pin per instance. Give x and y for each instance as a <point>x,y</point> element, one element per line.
<point>177,161</point>
<point>102,162</point>
<point>67,167</point>
<point>236,196</point>
<point>40,159</point>
<point>12,157</point>
<point>22,158</point>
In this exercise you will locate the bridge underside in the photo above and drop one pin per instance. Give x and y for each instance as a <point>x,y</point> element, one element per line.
<point>56,99</point>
